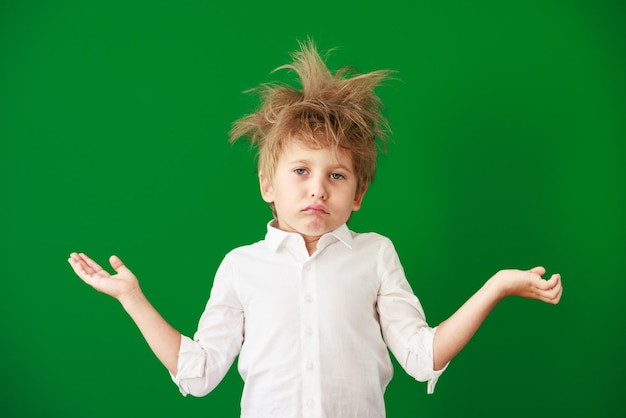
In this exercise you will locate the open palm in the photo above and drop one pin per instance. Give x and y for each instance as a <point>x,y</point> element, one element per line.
<point>529,284</point>
<point>118,285</point>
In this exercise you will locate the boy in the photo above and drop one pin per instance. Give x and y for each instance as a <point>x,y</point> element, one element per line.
<point>313,308</point>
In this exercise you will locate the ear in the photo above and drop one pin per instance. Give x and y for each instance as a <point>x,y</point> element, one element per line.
<point>267,193</point>
<point>359,199</point>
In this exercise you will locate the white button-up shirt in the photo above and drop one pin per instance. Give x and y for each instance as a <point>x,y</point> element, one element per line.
<point>311,332</point>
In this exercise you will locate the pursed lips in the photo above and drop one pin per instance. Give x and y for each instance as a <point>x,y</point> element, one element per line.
<point>315,210</point>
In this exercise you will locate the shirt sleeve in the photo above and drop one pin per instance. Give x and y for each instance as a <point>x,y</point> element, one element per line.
<point>204,361</point>
<point>403,322</point>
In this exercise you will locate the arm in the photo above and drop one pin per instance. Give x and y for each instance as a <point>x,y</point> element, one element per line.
<point>455,332</point>
<point>123,286</point>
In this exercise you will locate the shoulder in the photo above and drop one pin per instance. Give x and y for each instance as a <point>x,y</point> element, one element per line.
<point>248,250</point>
<point>375,251</point>
<point>371,240</point>
<point>369,237</point>
<point>244,260</point>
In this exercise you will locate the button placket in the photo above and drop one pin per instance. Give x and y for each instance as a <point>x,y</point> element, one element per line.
<point>311,384</point>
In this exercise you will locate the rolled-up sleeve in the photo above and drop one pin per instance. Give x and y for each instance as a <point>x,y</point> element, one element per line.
<point>403,322</point>
<point>419,359</point>
<point>204,360</point>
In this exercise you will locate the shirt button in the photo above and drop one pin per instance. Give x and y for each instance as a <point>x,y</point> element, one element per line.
<point>308,331</point>
<point>310,403</point>
<point>308,298</point>
<point>307,267</point>
<point>310,365</point>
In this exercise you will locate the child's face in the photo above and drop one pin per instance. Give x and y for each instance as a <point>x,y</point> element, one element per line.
<point>313,190</point>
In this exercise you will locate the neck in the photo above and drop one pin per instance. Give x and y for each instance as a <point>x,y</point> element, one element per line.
<point>311,243</point>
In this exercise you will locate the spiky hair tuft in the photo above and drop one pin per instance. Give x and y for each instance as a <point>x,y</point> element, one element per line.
<point>339,110</point>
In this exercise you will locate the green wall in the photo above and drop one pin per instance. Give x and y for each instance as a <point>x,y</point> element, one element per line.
<point>508,122</point>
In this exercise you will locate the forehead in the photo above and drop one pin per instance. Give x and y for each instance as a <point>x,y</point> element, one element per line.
<point>298,151</point>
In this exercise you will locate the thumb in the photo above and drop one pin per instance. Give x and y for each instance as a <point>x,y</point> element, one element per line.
<point>538,270</point>
<point>118,265</point>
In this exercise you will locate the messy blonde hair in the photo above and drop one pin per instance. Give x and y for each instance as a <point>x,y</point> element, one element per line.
<point>332,111</point>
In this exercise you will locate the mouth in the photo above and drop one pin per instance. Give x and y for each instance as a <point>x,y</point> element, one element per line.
<point>315,210</point>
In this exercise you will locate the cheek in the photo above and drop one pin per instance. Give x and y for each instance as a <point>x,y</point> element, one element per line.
<point>291,187</point>
<point>285,192</point>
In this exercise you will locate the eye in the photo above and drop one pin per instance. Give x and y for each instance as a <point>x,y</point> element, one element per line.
<point>336,176</point>
<point>300,171</point>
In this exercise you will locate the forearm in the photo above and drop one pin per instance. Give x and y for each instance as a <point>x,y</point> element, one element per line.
<point>162,338</point>
<point>455,332</point>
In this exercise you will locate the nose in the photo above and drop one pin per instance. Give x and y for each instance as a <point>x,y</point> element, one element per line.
<point>319,189</point>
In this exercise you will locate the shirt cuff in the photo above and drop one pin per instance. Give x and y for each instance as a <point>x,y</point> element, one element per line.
<point>421,345</point>
<point>191,363</point>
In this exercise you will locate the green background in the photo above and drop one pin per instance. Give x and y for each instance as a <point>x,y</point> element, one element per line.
<point>508,123</point>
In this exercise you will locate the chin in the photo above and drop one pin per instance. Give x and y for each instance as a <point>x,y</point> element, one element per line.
<point>318,229</point>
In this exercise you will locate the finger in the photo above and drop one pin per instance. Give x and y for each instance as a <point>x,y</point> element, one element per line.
<point>538,270</point>
<point>73,264</point>
<point>92,266</point>
<point>118,265</point>
<point>79,267</point>
<point>557,289</point>
<point>552,297</point>
<point>556,296</point>
<point>546,285</point>
<point>74,258</point>
<point>553,294</point>
<point>554,279</point>
<point>76,262</point>
<point>543,285</point>
<point>557,299</point>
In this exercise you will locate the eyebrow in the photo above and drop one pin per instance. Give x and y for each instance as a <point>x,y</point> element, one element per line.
<point>307,162</point>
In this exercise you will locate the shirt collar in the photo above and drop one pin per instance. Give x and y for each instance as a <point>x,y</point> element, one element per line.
<point>275,238</point>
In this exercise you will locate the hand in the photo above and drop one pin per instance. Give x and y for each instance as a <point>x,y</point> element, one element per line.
<point>529,284</point>
<point>120,285</point>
